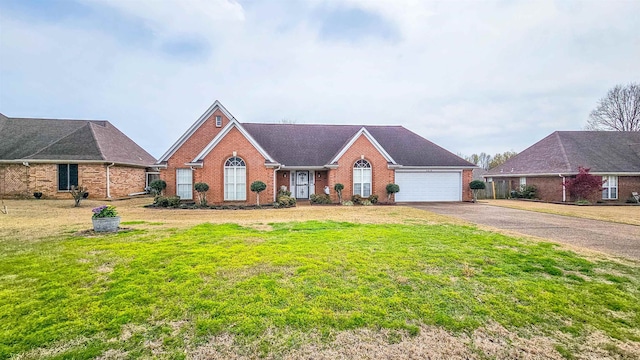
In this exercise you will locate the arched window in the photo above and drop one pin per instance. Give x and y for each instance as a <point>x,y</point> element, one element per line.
<point>362,178</point>
<point>235,179</point>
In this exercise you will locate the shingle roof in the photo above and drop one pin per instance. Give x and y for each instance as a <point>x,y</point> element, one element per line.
<point>69,140</point>
<point>563,152</point>
<point>317,145</point>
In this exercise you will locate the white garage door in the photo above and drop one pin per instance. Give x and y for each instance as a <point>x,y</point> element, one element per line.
<point>429,186</point>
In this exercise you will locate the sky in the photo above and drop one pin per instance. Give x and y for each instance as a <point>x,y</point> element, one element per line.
<point>471,76</point>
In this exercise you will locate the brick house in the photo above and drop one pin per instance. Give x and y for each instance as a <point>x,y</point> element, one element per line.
<point>228,155</point>
<point>612,155</point>
<point>50,156</point>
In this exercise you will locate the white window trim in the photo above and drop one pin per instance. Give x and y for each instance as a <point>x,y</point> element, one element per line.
<point>188,196</point>
<point>362,182</point>
<point>235,183</point>
<point>606,189</point>
<point>218,121</point>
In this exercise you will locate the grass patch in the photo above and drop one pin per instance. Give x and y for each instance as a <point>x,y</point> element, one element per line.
<point>149,292</point>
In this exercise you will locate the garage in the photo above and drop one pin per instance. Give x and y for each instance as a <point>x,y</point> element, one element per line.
<point>428,185</point>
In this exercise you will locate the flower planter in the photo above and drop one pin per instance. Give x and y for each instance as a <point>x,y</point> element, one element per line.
<point>106,224</point>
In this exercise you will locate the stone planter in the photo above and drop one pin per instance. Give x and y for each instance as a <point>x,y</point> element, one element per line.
<point>106,224</point>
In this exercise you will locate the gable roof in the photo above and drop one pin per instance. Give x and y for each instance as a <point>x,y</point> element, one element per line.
<point>217,105</point>
<point>231,125</point>
<point>562,152</point>
<point>68,140</point>
<point>319,145</point>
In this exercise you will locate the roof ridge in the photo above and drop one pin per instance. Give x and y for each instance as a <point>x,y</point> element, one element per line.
<point>563,151</point>
<point>95,138</point>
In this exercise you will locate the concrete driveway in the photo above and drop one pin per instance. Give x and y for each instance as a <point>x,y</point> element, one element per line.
<point>612,238</point>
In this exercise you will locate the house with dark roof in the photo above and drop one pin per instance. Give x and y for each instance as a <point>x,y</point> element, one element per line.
<point>309,159</point>
<point>51,155</point>
<point>612,155</point>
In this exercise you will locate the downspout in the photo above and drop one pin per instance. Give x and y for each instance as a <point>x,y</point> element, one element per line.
<point>564,189</point>
<point>109,182</point>
<point>275,191</point>
<point>26,174</point>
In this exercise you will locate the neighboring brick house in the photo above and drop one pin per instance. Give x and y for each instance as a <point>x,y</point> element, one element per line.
<point>229,156</point>
<point>612,155</point>
<point>50,156</point>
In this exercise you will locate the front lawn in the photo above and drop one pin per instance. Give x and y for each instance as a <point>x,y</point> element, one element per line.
<point>313,287</point>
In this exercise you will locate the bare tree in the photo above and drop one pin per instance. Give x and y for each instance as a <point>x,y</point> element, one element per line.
<point>619,110</point>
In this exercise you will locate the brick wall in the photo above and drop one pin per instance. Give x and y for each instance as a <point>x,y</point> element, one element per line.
<point>212,171</point>
<point>627,185</point>
<point>467,177</point>
<point>381,174</point>
<point>18,180</point>
<point>190,149</point>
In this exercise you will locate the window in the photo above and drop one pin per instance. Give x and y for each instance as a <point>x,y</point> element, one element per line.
<point>151,176</point>
<point>610,187</point>
<point>218,121</point>
<point>235,179</point>
<point>362,178</point>
<point>523,182</point>
<point>67,176</point>
<point>184,184</point>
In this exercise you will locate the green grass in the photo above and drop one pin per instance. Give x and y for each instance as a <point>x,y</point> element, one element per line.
<point>299,277</point>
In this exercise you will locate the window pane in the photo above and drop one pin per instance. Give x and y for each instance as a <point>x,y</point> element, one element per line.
<point>63,177</point>
<point>357,189</point>
<point>367,190</point>
<point>73,175</point>
<point>184,183</point>
<point>366,175</point>
<point>614,193</point>
<point>357,175</point>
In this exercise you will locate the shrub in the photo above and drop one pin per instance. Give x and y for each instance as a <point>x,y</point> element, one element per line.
<point>373,199</point>
<point>347,203</point>
<point>356,199</point>
<point>584,185</point>
<point>285,201</point>
<point>525,192</point>
<point>284,192</point>
<point>476,186</point>
<point>320,199</point>
<point>202,189</point>
<point>257,187</point>
<point>392,189</point>
<point>338,188</point>
<point>158,186</point>
<point>366,202</point>
<point>78,193</point>
<point>171,201</point>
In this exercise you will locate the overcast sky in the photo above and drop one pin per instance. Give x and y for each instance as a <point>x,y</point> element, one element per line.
<point>470,76</point>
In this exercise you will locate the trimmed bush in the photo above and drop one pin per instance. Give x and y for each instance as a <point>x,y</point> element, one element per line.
<point>373,199</point>
<point>356,199</point>
<point>202,189</point>
<point>258,187</point>
<point>158,186</point>
<point>392,189</point>
<point>476,186</point>
<point>338,188</point>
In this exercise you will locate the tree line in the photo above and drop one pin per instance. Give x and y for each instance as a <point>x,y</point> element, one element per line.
<point>487,161</point>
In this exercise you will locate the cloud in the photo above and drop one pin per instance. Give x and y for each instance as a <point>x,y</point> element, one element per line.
<point>470,76</point>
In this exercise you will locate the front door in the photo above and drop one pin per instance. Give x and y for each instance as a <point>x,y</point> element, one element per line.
<point>302,184</point>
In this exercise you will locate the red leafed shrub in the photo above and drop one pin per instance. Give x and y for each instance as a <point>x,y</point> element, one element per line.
<point>584,185</point>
